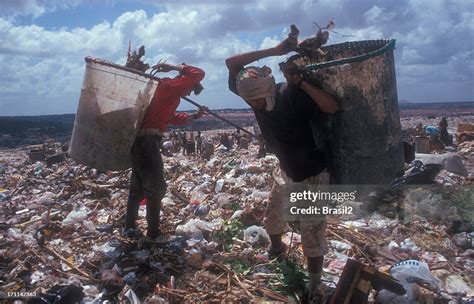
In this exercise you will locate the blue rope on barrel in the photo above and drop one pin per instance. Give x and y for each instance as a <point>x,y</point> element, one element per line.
<point>389,45</point>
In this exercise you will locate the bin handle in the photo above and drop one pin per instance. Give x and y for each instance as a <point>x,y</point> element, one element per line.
<point>316,66</point>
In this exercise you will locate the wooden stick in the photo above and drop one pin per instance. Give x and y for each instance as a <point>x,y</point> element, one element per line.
<point>353,231</point>
<point>51,250</point>
<point>92,265</point>
<point>217,279</point>
<point>361,252</point>
<point>272,295</point>
<point>236,278</point>
<point>176,292</point>
<point>206,198</point>
<point>57,270</point>
<point>95,208</point>
<point>36,220</point>
<point>356,246</point>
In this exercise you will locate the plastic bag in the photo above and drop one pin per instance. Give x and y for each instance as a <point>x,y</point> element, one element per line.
<point>76,216</point>
<point>195,226</point>
<point>219,185</point>
<point>202,210</point>
<point>256,236</point>
<point>260,194</point>
<point>411,271</point>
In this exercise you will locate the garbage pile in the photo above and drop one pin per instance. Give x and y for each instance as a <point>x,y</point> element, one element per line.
<point>431,136</point>
<point>61,236</point>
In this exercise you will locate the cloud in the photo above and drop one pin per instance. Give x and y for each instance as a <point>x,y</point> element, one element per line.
<point>410,56</point>
<point>434,43</point>
<point>48,64</point>
<point>35,8</point>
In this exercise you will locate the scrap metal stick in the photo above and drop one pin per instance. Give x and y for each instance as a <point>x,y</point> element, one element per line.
<point>218,116</point>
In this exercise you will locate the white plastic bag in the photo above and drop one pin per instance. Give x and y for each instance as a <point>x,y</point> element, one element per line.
<point>411,271</point>
<point>76,216</point>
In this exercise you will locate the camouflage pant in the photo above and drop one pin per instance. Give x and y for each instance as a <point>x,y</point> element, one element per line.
<point>312,232</point>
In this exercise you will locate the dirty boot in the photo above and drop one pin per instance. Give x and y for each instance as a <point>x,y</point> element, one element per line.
<point>132,214</point>
<point>153,207</point>
<point>130,229</point>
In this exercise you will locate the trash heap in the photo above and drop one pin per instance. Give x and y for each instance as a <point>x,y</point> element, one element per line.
<point>461,148</point>
<point>61,239</point>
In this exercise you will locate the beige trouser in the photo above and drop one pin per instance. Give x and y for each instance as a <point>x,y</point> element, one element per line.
<point>312,232</point>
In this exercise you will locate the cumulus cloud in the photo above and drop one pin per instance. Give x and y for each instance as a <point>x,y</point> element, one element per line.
<point>48,64</point>
<point>434,44</point>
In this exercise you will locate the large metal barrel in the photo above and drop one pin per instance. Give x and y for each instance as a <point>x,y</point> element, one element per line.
<point>364,137</point>
<point>111,107</point>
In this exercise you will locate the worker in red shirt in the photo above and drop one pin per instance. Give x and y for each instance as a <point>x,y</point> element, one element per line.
<point>147,178</point>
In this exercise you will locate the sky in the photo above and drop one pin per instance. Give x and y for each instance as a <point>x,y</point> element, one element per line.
<point>43,43</point>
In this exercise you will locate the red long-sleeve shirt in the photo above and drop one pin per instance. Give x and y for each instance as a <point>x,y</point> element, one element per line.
<point>165,101</point>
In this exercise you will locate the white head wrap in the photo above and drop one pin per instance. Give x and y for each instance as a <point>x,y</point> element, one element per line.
<point>254,83</point>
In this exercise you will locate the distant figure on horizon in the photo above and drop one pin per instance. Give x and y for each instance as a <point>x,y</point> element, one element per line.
<point>198,143</point>
<point>444,136</point>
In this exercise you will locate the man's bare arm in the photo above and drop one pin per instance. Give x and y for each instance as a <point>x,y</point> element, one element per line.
<point>238,62</point>
<point>324,100</point>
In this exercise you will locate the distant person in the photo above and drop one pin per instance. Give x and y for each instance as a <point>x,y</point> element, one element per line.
<point>227,141</point>
<point>433,133</point>
<point>184,142</point>
<point>419,129</point>
<point>236,138</point>
<point>244,142</point>
<point>261,147</point>
<point>224,139</point>
<point>176,143</point>
<point>190,147</point>
<point>444,136</point>
<point>207,149</point>
<point>147,178</point>
<point>198,143</point>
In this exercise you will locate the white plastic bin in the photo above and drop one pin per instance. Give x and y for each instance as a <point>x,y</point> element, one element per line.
<point>111,107</point>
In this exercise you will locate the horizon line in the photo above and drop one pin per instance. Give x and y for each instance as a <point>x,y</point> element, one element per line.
<point>245,109</point>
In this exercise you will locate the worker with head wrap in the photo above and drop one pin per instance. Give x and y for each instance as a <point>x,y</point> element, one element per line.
<point>284,112</point>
